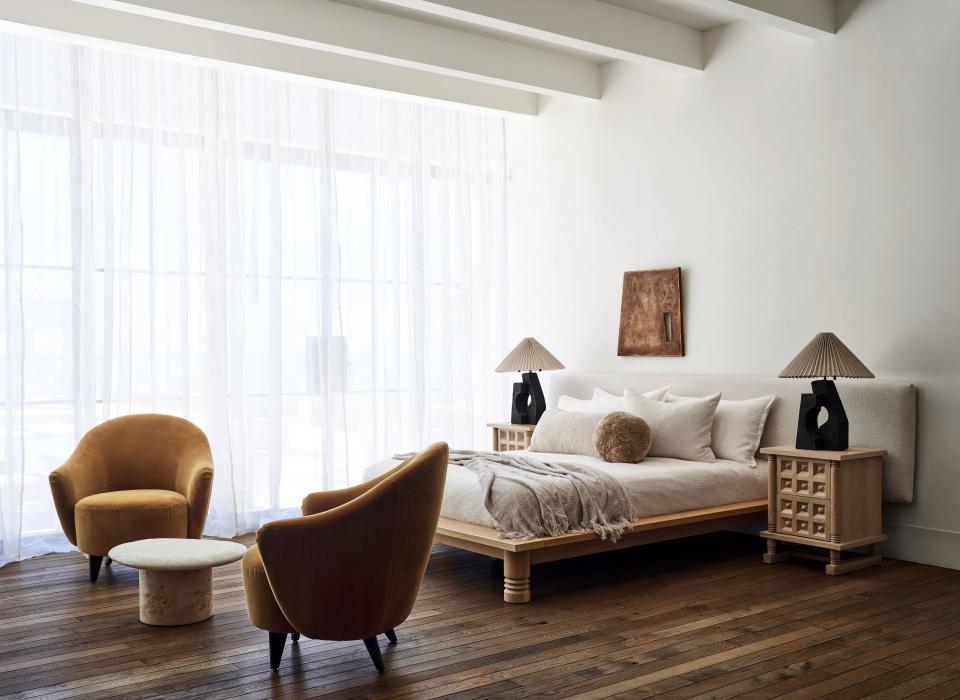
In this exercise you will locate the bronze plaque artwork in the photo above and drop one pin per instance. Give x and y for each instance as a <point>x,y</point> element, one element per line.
<point>650,320</point>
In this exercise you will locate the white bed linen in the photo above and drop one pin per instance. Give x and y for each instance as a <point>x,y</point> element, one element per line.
<point>656,486</point>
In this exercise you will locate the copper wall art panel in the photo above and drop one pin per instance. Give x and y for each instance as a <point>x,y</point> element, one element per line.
<point>650,314</point>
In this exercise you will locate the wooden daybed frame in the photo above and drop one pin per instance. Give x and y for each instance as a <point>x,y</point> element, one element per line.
<point>518,556</point>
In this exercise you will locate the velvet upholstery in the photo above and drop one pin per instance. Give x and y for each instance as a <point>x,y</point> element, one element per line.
<point>107,519</point>
<point>261,605</point>
<point>351,567</point>
<point>131,478</point>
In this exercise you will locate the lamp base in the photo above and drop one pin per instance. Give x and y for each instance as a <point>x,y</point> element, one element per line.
<point>519,403</point>
<point>528,400</point>
<point>834,434</point>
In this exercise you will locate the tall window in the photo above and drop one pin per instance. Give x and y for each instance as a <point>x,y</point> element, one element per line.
<point>314,277</point>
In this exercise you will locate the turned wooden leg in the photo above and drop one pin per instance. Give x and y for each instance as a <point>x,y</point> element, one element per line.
<point>277,642</point>
<point>295,636</point>
<point>95,563</point>
<point>771,556</point>
<point>373,648</point>
<point>516,577</point>
<point>392,636</point>
<point>834,568</point>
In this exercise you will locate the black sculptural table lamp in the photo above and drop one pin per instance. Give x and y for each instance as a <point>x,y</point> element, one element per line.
<point>824,356</point>
<point>529,357</point>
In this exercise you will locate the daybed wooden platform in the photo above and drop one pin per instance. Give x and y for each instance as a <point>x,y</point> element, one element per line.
<point>891,407</point>
<point>518,556</point>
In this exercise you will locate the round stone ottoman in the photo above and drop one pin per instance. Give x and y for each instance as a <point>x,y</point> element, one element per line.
<point>176,576</point>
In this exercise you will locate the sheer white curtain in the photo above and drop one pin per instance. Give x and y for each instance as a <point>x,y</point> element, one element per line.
<point>314,277</point>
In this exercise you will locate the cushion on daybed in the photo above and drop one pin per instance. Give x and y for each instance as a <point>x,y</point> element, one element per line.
<point>680,430</point>
<point>737,427</point>
<point>604,402</point>
<point>622,437</point>
<point>569,432</point>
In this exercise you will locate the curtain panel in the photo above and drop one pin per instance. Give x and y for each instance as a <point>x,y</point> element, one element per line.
<point>314,277</point>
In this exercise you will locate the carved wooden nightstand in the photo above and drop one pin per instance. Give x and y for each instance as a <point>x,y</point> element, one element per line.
<point>827,499</point>
<point>510,436</point>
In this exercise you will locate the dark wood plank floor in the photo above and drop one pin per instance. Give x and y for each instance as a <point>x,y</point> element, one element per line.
<point>695,618</point>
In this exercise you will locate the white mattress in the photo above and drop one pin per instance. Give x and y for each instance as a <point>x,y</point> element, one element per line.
<point>657,485</point>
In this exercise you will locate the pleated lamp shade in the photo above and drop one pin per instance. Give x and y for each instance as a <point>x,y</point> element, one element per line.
<point>826,356</point>
<point>529,356</point>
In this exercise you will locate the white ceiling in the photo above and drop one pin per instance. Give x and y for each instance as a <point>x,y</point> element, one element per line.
<point>498,55</point>
<point>690,14</point>
<point>683,12</point>
<point>451,23</point>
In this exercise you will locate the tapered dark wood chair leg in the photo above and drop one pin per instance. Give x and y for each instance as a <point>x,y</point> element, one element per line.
<point>295,636</point>
<point>374,650</point>
<point>277,642</point>
<point>392,636</point>
<point>95,563</point>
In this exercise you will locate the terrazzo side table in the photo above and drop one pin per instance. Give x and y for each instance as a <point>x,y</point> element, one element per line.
<point>176,576</point>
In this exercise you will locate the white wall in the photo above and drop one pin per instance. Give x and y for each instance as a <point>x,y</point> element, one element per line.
<point>801,185</point>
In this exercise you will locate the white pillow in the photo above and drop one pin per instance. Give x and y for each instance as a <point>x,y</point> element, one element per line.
<point>655,394</point>
<point>602,406</point>
<point>604,402</point>
<point>737,427</point>
<point>565,432</point>
<point>681,430</point>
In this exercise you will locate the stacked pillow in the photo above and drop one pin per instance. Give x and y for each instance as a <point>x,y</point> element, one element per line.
<point>682,427</point>
<point>737,426</point>
<point>605,402</point>
<point>565,432</point>
<point>570,428</point>
<point>681,430</point>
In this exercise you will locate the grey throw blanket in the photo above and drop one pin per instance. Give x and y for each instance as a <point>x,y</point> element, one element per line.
<point>529,498</point>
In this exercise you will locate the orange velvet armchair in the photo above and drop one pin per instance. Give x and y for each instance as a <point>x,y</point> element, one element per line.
<point>133,478</point>
<point>351,567</point>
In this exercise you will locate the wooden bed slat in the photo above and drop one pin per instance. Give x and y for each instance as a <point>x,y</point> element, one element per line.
<point>519,555</point>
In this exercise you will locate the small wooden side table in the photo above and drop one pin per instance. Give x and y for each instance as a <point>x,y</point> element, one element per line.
<point>826,499</point>
<point>510,436</point>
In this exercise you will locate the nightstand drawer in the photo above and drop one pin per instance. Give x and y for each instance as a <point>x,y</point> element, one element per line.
<point>803,517</point>
<point>803,477</point>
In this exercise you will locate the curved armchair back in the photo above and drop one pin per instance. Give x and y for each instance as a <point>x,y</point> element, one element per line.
<point>353,571</point>
<point>146,451</point>
<point>141,451</point>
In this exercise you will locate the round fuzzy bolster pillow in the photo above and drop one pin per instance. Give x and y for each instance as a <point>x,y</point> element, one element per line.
<point>622,437</point>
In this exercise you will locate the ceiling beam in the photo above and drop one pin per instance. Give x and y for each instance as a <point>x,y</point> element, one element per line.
<point>809,18</point>
<point>361,33</point>
<point>90,24</point>
<point>596,27</point>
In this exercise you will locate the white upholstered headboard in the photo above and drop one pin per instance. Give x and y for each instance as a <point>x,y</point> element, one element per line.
<point>881,413</point>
